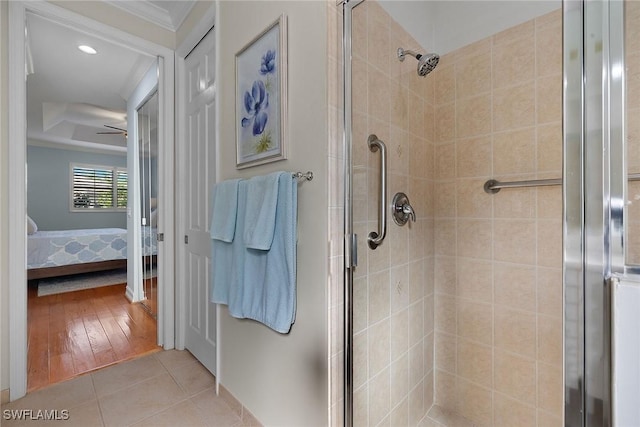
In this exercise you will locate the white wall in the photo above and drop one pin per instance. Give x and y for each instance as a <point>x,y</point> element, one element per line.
<point>282,379</point>
<point>4,208</point>
<point>416,17</point>
<point>444,26</point>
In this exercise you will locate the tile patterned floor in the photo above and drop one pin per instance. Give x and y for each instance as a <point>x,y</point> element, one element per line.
<point>167,388</point>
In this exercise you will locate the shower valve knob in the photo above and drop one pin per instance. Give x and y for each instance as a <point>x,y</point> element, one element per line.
<point>408,210</point>
<point>402,209</point>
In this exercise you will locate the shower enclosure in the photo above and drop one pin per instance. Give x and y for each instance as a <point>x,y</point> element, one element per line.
<point>491,307</point>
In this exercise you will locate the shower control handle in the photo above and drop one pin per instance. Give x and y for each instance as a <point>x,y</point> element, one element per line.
<point>408,210</point>
<point>402,209</point>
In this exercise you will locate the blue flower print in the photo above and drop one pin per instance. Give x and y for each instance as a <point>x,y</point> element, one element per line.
<point>255,103</point>
<point>268,64</point>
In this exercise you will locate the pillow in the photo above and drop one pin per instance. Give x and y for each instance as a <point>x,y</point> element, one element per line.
<point>31,226</point>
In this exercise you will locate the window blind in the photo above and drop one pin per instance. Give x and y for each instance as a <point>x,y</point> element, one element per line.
<point>97,187</point>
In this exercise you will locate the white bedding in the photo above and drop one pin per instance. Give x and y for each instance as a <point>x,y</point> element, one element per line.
<point>68,247</point>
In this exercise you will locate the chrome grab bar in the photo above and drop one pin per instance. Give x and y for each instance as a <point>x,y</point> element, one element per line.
<point>375,239</point>
<point>492,186</point>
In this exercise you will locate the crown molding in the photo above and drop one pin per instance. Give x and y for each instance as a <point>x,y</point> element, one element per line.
<point>179,11</point>
<point>169,19</point>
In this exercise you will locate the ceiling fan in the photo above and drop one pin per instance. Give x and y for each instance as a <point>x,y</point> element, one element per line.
<point>117,131</point>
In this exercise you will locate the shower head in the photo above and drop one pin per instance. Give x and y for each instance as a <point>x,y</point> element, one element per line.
<point>426,62</point>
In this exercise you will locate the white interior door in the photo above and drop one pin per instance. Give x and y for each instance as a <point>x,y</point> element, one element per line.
<point>198,166</point>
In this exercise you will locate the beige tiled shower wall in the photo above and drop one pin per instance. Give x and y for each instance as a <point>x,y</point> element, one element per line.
<point>498,258</point>
<point>393,285</point>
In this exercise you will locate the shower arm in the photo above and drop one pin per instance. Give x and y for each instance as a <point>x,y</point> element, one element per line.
<point>402,53</point>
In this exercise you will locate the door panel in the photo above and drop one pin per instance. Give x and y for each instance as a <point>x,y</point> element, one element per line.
<point>199,168</point>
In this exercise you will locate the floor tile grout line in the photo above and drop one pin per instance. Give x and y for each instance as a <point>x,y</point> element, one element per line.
<point>141,382</point>
<point>128,384</point>
<point>95,391</point>
<point>159,412</point>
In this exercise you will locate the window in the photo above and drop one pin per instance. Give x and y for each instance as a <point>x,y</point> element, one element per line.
<point>98,187</point>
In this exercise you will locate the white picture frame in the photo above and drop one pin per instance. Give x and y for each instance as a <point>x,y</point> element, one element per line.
<point>261,97</point>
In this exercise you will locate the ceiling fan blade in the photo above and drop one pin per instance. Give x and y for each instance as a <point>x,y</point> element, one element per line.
<point>117,128</point>
<point>111,133</point>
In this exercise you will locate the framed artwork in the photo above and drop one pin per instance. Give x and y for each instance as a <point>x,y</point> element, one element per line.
<point>261,97</point>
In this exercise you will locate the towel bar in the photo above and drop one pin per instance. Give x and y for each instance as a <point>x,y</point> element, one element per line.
<point>302,175</point>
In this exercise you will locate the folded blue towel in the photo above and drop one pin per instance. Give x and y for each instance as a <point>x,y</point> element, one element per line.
<point>261,284</point>
<point>222,270</point>
<point>260,215</point>
<point>223,227</point>
<point>225,209</point>
<point>268,290</point>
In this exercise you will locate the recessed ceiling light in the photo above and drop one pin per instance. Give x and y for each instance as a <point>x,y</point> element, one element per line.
<point>87,49</point>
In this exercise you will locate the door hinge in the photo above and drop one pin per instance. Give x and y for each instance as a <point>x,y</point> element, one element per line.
<point>351,250</point>
<point>160,237</point>
<point>186,239</point>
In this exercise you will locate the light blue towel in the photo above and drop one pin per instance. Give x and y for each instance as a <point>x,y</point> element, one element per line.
<point>223,228</point>
<point>222,270</point>
<point>260,215</point>
<point>225,209</point>
<point>261,284</point>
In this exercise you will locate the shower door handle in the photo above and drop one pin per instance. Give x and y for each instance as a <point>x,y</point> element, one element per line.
<point>375,238</point>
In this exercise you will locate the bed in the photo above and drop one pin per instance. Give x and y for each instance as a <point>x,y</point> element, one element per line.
<point>59,253</point>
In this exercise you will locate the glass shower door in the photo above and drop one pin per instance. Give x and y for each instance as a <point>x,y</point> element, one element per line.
<point>392,289</point>
<point>458,314</point>
<point>602,239</point>
<point>148,143</point>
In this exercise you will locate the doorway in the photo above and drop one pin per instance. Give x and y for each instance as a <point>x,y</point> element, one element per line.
<point>77,197</point>
<point>17,153</point>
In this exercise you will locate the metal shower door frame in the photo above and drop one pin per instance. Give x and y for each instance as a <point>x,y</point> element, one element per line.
<point>349,249</point>
<point>595,178</point>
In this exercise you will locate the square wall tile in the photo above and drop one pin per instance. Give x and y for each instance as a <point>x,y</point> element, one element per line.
<point>475,322</point>
<point>475,403</point>
<point>475,280</point>
<point>513,62</point>
<point>475,362</point>
<point>515,376</point>
<point>514,107</point>
<point>508,412</point>
<point>473,116</point>
<point>515,286</point>
<point>515,331</point>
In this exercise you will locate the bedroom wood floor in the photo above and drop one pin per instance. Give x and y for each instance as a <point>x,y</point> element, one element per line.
<point>77,332</point>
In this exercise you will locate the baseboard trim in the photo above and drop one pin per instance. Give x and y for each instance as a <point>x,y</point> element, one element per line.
<point>248,419</point>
